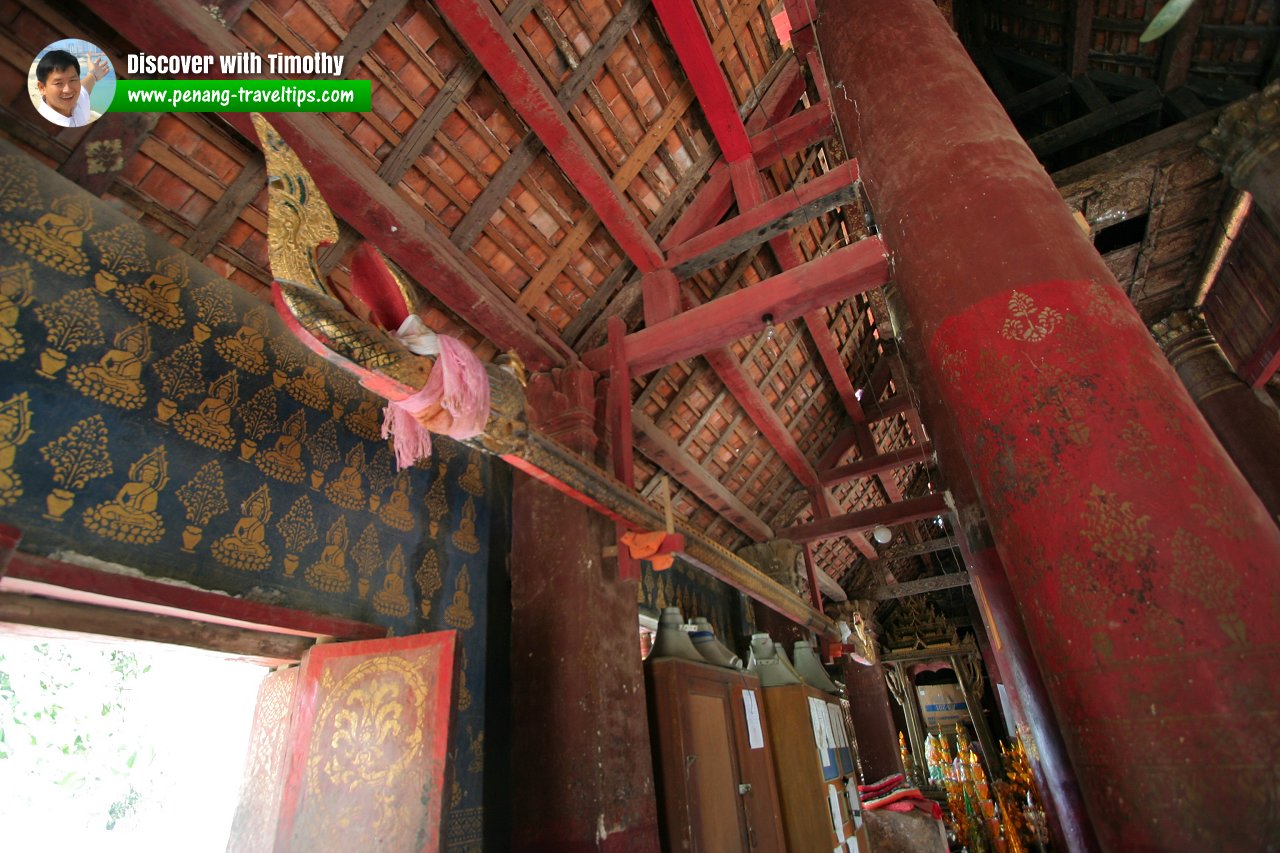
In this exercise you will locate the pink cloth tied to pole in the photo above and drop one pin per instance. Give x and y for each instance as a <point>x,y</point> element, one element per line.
<point>459,385</point>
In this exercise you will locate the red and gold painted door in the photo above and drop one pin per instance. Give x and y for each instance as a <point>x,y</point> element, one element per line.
<point>365,766</point>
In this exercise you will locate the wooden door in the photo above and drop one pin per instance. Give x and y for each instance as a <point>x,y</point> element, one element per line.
<point>711,767</point>
<point>365,760</point>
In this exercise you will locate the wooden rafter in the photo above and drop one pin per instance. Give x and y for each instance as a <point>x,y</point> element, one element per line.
<point>1080,27</point>
<point>354,191</point>
<point>913,509</point>
<point>488,37</point>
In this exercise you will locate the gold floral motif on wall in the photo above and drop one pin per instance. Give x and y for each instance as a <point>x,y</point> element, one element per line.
<point>368,556</point>
<point>121,252</point>
<point>298,527</point>
<point>15,429</point>
<point>322,446</point>
<point>210,424</point>
<point>55,239</point>
<point>437,503</point>
<point>260,418</point>
<point>391,600</point>
<point>77,457</point>
<point>203,497</point>
<point>131,516</point>
<point>213,308</point>
<point>427,576</point>
<point>464,538</point>
<point>347,489</point>
<point>247,347</point>
<point>329,573</point>
<point>284,460</point>
<point>245,547</point>
<point>1028,324</point>
<point>15,294</point>
<point>1114,529</point>
<point>458,614</point>
<point>180,375</point>
<point>116,379</point>
<point>71,322</point>
<point>379,473</point>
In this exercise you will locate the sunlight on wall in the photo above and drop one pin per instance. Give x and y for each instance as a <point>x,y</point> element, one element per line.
<point>134,747</point>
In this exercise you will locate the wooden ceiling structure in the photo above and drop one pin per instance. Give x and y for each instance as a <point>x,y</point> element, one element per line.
<point>542,168</point>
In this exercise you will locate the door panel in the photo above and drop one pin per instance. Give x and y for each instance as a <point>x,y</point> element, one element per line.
<point>366,769</point>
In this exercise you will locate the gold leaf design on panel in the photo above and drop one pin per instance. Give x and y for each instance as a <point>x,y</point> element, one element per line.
<point>131,516</point>
<point>1028,324</point>
<point>77,457</point>
<point>347,489</point>
<point>284,460</point>
<point>116,379</point>
<point>391,600</point>
<point>379,474</point>
<point>15,293</point>
<point>214,307</point>
<point>245,547</point>
<point>428,579</point>
<point>458,614</point>
<point>15,429</point>
<point>373,723</point>
<point>1114,529</point>
<point>396,512</point>
<point>55,239</point>
<point>122,251</point>
<point>259,416</point>
<point>1210,504</point>
<point>210,424</point>
<point>329,573</point>
<point>464,538</point>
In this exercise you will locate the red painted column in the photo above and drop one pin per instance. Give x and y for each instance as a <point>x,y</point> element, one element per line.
<point>582,779</point>
<point>1146,570</point>
<point>873,724</point>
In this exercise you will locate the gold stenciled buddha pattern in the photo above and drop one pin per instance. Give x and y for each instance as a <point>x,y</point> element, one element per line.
<point>126,359</point>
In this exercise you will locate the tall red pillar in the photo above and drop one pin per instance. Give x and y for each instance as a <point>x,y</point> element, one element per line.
<point>582,778</point>
<point>1146,570</point>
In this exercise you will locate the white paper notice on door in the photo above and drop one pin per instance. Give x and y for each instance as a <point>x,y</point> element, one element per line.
<point>821,726</point>
<point>754,733</point>
<point>837,819</point>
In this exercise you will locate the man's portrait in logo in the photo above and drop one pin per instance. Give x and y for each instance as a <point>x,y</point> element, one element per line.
<point>71,83</point>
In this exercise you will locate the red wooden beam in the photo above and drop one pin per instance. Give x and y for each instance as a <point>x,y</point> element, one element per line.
<point>34,575</point>
<point>838,275</point>
<point>811,569</point>
<point>875,465</point>
<point>844,441</point>
<point>825,505</point>
<point>755,222</point>
<point>351,188</point>
<point>794,133</point>
<point>689,38</point>
<point>480,28</point>
<point>1262,365</point>
<point>896,513</point>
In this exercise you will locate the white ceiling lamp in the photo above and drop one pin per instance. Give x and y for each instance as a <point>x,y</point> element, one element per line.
<point>882,534</point>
